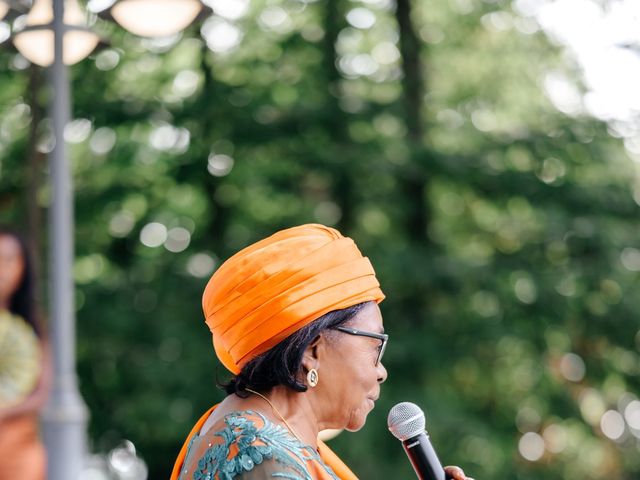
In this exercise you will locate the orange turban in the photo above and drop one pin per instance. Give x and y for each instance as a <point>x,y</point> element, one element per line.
<point>276,286</point>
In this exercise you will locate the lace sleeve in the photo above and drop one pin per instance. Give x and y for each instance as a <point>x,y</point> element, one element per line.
<point>271,469</point>
<point>249,447</point>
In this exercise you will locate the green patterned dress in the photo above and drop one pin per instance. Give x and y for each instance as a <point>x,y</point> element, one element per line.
<point>19,359</point>
<point>246,445</point>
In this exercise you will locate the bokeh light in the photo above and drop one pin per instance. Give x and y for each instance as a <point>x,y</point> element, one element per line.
<point>555,438</point>
<point>612,424</point>
<point>592,405</point>
<point>531,446</point>
<point>572,367</point>
<point>153,234</point>
<point>221,36</point>
<point>632,416</point>
<point>219,164</point>
<point>102,141</point>
<point>362,18</point>
<point>201,265</point>
<point>177,240</point>
<point>231,10</point>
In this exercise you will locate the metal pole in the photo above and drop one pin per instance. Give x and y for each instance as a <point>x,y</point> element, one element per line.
<point>65,415</point>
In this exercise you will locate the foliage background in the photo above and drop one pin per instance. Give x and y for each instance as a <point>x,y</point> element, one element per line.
<point>504,232</point>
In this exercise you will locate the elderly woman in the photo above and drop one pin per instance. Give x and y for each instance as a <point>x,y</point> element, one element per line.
<point>295,318</point>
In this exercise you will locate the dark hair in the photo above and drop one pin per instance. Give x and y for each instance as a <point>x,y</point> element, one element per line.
<point>281,365</point>
<point>22,301</point>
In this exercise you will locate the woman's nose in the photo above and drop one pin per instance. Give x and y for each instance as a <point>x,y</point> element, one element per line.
<point>382,373</point>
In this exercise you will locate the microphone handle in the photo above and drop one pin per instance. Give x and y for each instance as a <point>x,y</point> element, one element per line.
<point>423,458</point>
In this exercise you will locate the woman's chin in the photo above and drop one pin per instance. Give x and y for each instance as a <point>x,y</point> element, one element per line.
<point>358,420</point>
<point>352,429</point>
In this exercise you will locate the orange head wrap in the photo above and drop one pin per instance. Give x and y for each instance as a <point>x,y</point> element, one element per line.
<point>276,286</point>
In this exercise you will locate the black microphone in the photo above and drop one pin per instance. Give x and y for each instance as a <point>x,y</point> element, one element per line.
<point>406,423</point>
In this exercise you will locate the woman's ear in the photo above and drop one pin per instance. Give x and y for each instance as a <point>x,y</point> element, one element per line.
<point>312,354</point>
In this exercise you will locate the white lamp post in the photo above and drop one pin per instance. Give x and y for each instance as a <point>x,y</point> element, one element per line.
<point>65,415</point>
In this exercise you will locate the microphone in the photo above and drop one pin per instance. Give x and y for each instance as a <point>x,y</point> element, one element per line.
<point>406,423</point>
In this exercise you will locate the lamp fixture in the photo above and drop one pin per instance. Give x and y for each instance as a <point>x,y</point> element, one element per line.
<point>35,39</point>
<point>4,8</point>
<point>156,18</point>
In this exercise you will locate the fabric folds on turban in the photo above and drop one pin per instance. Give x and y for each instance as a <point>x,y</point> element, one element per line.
<point>276,286</point>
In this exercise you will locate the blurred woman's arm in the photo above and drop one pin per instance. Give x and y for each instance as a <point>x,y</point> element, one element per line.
<point>37,398</point>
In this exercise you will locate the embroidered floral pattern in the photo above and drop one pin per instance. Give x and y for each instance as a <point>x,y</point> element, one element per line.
<point>244,446</point>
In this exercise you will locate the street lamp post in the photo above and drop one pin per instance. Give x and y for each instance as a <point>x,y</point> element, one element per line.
<point>65,415</point>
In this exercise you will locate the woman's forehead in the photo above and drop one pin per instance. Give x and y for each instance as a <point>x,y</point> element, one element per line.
<point>9,245</point>
<point>368,319</point>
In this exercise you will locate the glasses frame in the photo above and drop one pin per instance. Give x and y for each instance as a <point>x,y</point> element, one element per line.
<point>361,333</point>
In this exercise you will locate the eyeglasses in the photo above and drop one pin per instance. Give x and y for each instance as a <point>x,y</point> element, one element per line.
<point>380,336</point>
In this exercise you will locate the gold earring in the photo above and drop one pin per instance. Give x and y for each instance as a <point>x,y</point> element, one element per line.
<point>312,377</point>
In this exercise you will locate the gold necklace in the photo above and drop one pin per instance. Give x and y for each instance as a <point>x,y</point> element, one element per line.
<point>293,432</point>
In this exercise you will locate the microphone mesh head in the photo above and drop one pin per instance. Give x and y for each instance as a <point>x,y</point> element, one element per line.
<point>406,420</point>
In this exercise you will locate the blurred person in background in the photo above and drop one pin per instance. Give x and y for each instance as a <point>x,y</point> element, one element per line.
<point>295,318</point>
<point>24,370</point>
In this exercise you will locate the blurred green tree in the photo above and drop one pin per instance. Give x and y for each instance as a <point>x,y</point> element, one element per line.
<point>504,232</point>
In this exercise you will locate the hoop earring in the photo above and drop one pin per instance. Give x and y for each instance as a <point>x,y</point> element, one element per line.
<point>312,377</point>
